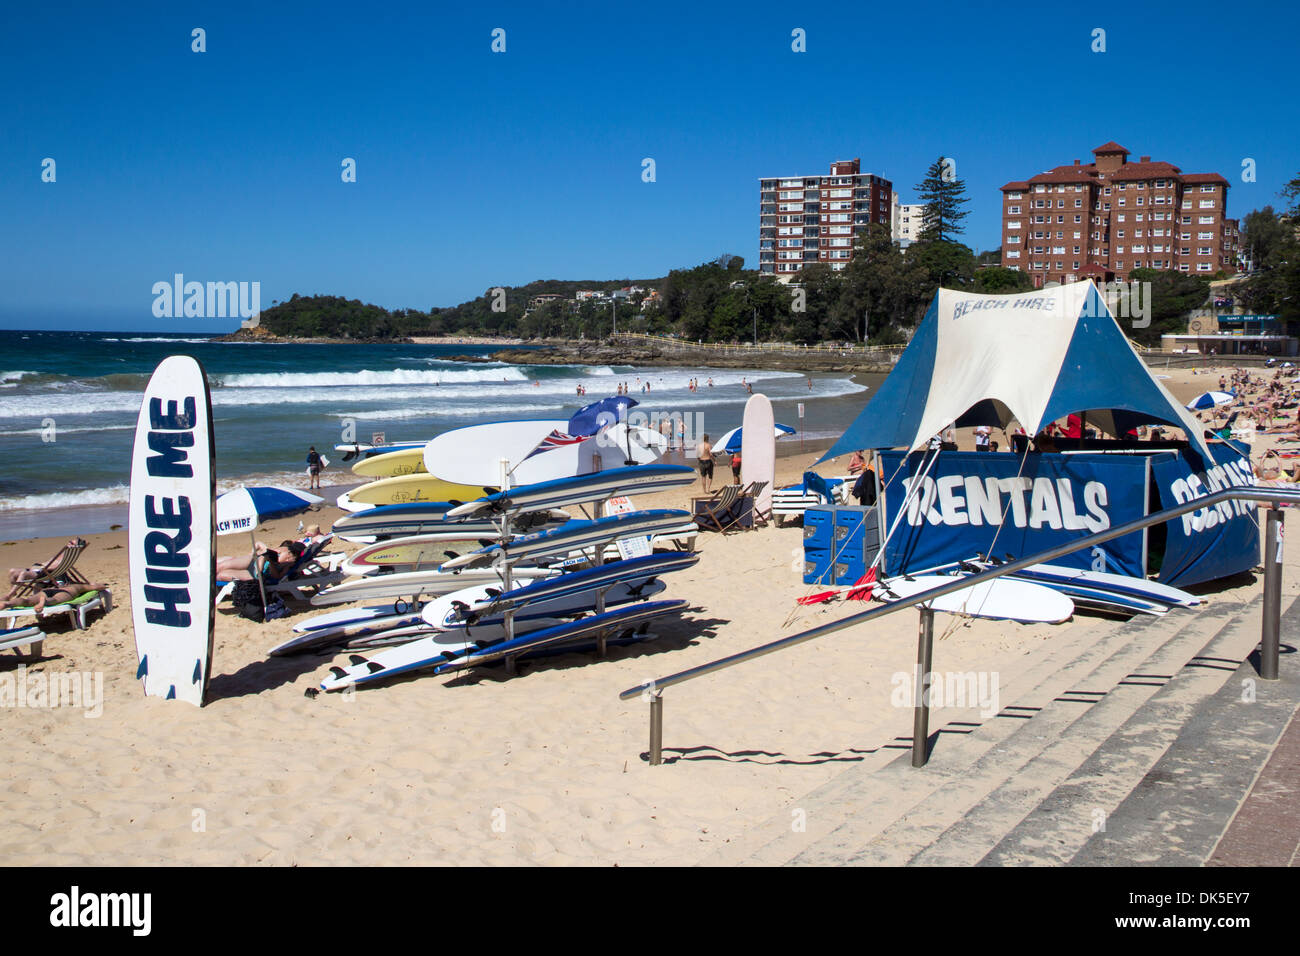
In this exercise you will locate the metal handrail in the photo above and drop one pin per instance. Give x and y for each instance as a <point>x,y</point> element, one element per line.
<point>1273,496</point>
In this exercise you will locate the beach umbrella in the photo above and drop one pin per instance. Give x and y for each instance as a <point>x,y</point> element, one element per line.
<point>1210,400</point>
<point>246,507</point>
<point>730,441</point>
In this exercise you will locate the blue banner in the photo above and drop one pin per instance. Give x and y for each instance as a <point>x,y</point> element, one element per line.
<point>1213,542</point>
<point>1049,500</point>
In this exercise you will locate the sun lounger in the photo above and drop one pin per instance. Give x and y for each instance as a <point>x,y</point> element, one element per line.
<point>60,569</point>
<point>78,609</point>
<point>20,638</point>
<point>311,572</point>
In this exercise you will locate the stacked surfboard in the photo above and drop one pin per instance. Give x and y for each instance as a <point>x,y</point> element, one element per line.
<point>546,590</point>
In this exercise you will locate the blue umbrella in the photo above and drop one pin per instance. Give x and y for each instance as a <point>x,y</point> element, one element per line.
<point>1210,400</point>
<point>731,440</point>
<point>244,508</point>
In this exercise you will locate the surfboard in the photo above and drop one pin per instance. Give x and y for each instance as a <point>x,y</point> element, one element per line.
<point>1119,583</point>
<point>353,615</point>
<point>416,551</point>
<point>472,455</point>
<point>326,636</point>
<point>622,619</point>
<point>171,532</point>
<point>411,489</point>
<point>758,450</point>
<point>579,489</point>
<point>573,535</point>
<point>360,450</point>
<point>1001,599</point>
<point>565,605</point>
<point>446,648</point>
<point>400,521</point>
<point>452,610</point>
<point>406,461</point>
<point>415,584</point>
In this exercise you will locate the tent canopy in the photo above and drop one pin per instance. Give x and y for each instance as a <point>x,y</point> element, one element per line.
<point>1033,357</point>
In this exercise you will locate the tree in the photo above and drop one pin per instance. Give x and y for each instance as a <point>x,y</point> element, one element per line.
<point>943,195</point>
<point>1173,296</point>
<point>1000,281</point>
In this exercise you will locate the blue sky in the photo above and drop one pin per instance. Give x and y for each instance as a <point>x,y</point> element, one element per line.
<point>477,169</point>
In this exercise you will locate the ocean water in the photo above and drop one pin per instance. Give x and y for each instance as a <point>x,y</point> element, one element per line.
<point>69,400</point>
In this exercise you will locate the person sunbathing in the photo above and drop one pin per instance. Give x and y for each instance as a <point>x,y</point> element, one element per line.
<point>55,594</point>
<point>22,575</point>
<point>274,561</point>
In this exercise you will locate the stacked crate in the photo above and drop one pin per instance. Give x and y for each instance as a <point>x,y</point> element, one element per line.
<point>839,543</point>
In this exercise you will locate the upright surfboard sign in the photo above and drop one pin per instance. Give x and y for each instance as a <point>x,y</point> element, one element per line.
<point>758,450</point>
<point>172,532</point>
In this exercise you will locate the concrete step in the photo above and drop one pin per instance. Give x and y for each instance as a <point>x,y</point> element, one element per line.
<point>1174,669</point>
<point>1178,810</point>
<point>1071,723</point>
<point>845,814</point>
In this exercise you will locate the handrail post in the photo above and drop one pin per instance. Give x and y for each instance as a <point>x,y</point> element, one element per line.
<point>1268,644</point>
<point>657,729</point>
<point>921,689</point>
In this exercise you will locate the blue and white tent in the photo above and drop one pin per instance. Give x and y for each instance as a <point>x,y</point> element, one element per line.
<point>1033,357</point>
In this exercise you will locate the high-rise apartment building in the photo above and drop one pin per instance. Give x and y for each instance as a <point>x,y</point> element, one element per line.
<point>804,220</point>
<point>1104,219</point>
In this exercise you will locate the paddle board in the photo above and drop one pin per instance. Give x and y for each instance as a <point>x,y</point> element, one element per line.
<point>611,622</point>
<point>171,532</point>
<point>758,450</point>
<point>415,584</point>
<point>579,489</point>
<point>1119,583</point>
<point>415,552</point>
<point>406,461</point>
<point>452,610</point>
<point>325,636</point>
<point>444,648</point>
<point>573,535</point>
<point>1000,599</point>
<point>363,450</point>
<point>400,521</point>
<point>352,615</point>
<point>412,489</point>
<point>571,604</point>
<point>472,455</point>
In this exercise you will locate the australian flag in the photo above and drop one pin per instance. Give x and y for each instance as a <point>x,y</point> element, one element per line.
<point>596,417</point>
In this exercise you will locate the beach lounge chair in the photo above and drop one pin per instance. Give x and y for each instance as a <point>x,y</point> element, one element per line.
<point>715,511</point>
<point>78,609</point>
<point>60,569</point>
<point>748,502</point>
<point>25,641</point>
<point>311,572</point>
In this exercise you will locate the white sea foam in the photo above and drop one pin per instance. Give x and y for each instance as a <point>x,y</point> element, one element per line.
<point>112,495</point>
<point>156,339</point>
<point>15,377</point>
<point>400,376</point>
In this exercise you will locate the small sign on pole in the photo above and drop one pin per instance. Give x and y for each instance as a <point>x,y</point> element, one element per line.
<point>377,439</point>
<point>801,426</point>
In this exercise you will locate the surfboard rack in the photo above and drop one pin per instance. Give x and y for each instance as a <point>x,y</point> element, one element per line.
<point>1274,498</point>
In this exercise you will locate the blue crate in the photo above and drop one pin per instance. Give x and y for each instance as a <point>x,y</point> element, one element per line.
<point>818,528</point>
<point>817,567</point>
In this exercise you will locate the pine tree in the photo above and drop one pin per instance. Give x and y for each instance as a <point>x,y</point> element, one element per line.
<point>943,195</point>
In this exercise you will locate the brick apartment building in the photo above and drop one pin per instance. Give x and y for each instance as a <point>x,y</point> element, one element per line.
<point>804,220</point>
<point>1104,219</point>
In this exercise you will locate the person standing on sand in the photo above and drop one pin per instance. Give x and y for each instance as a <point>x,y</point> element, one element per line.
<point>314,467</point>
<point>704,452</point>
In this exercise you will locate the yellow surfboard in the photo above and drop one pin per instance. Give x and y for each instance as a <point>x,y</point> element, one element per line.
<point>409,461</point>
<point>409,489</point>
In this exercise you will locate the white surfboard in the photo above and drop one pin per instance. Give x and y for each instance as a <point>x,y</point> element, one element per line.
<point>472,455</point>
<point>1000,599</point>
<point>171,536</point>
<point>758,450</point>
<point>411,584</point>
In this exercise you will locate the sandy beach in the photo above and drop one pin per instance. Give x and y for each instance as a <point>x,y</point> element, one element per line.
<point>543,768</point>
